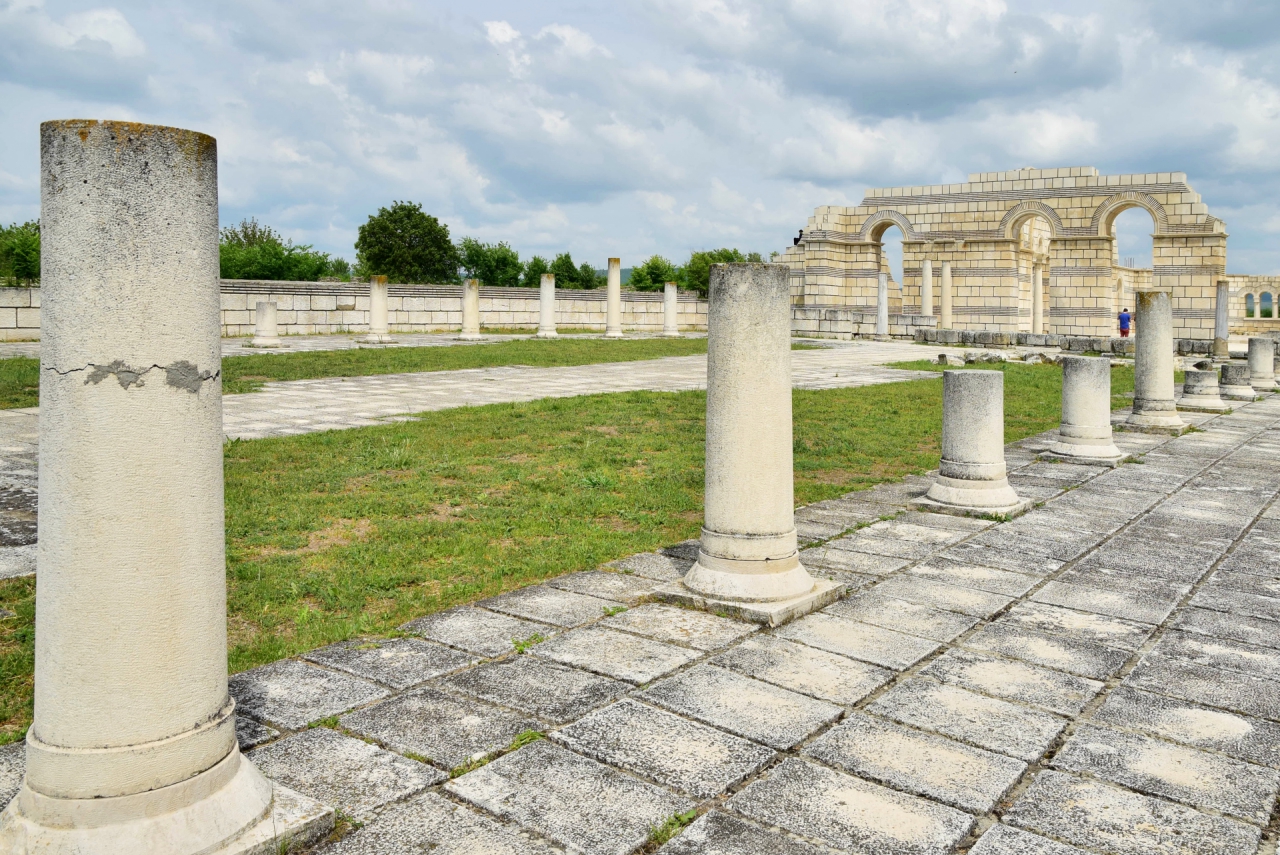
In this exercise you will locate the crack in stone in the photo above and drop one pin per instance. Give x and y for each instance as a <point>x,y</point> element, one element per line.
<point>180,375</point>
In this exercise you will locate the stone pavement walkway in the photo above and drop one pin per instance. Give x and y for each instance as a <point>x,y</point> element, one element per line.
<point>1100,675</point>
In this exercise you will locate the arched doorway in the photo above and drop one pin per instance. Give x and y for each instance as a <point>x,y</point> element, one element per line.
<point>1265,305</point>
<point>1249,306</point>
<point>1032,234</point>
<point>1132,227</point>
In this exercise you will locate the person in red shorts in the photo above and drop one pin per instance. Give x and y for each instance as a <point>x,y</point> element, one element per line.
<point>1124,323</point>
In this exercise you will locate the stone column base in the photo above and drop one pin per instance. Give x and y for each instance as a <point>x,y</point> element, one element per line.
<point>1202,404</point>
<point>546,334</point>
<point>376,338</point>
<point>775,613</point>
<point>616,334</point>
<point>1003,512</point>
<point>263,341</point>
<point>470,336</point>
<point>1089,455</point>
<point>1239,393</point>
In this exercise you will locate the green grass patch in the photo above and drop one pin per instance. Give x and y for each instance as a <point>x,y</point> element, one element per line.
<point>671,826</point>
<point>344,534</point>
<point>19,382</point>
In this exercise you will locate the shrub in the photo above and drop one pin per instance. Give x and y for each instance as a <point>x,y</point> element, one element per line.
<point>20,253</point>
<point>569,275</point>
<point>653,273</point>
<point>587,274</point>
<point>533,271</point>
<point>254,251</point>
<point>493,264</point>
<point>405,244</point>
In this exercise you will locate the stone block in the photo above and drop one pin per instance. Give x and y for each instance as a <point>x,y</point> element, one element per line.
<point>573,800</point>
<point>850,814</point>
<point>699,630</point>
<point>397,662</point>
<point>1220,653</point>
<point>1014,681</point>
<point>1134,607</point>
<point>968,337</point>
<point>550,605</point>
<point>446,729</point>
<point>618,587</point>
<point>250,734</point>
<point>12,766</point>
<point>615,654</point>
<point>837,555</point>
<point>477,631</point>
<point>717,833</point>
<point>1074,655</point>
<point>292,694</point>
<point>944,770</point>
<point>1004,840</point>
<point>1216,624</point>
<point>684,755</point>
<point>653,565</point>
<point>551,692</point>
<point>749,708</point>
<point>974,576</point>
<point>873,644</point>
<point>1206,685</point>
<point>803,669</point>
<point>344,773</point>
<point>982,337</point>
<point>879,609</point>
<point>969,601</point>
<point>949,336</point>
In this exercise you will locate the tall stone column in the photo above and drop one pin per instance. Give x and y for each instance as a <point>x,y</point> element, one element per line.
<point>1262,356</point>
<point>1037,299</point>
<point>944,297</point>
<point>379,328</point>
<point>882,307</point>
<point>749,563</point>
<point>670,311</point>
<point>470,310</point>
<point>133,747</point>
<point>1085,433</point>
<point>266,333</point>
<point>613,300</point>
<point>547,306</point>
<point>1154,409</point>
<point>926,287</point>
<point>1222,320</point>
<point>971,478</point>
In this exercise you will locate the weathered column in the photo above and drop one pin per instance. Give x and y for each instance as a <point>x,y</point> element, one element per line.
<point>882,307</point>
<point>1262,356</point>
<point>749,564</point>
<point>470,310</point>
<point>971,476</point>
<point>379,328</point>
<point>1235,385</point>
<point>133,747</point>
<point>1200,392</point>
<point>547,306</point>
<point>1154,409</point>
<point>926,287</point>
<point>1222,320</point>
<point>1037,299</point>
<point>613,301</point>
<point>265,331</point>
<point>1085,432</point>
<point>670,311</point>
<point>944,297</point>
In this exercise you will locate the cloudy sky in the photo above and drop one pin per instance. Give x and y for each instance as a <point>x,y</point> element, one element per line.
<point>635,127</point>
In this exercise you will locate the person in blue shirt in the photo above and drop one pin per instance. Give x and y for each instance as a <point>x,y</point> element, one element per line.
<point>1124,323</point>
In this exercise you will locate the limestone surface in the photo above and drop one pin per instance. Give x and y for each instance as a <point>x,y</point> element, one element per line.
<point>397,662</point>
<point>478,631</point>
<point>615,654</point>
<point>292,694</point>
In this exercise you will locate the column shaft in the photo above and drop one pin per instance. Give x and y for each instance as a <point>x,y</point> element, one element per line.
<point>944,322</point>
<point>470,310</point>
<point>972,476</point>
<point>379,328</point>
<point>882,306</point>
<point>670,311</point>
<point>1222,320</point>
<point>1262,355</point>
<point>1085,432</point>
<point>1037,299</point>
<point>547,306</point>
<point>613,300</point>
<point>1153,402</point>
<point>926,287</point>
<point>266,333</point>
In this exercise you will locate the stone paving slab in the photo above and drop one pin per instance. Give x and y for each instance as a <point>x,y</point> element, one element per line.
<point>546,604</point>
<point>876,607</point>
<point>1207,685</point>
<point>1075,625</point>
<point>397,662</point>
<point>615,654</point>
<point>1004,840</point>
<point>699,630</point>
<point>552,692</point>
<point>803,669</point>
<point>1074,655</point>
<point>628,589</point>
<point>653,565</point>
<point>292,694</point>
<point>873,644</point>
<point>1055,691</point>
<point>478,631</point>
<point>718,833</point>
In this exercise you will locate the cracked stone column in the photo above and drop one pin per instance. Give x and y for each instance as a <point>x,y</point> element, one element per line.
<point>1262,357</point>
<point>1200,392</point>
<point>379,329</point>
<point>926,287</point>
<point>944,297</point>
<point>265,331</point>
<point>670,311</point>
<point>748,563</point>
<point>1037,299</point>
<point>547,306</point>
<point>613,300</point>
<point>1154,409</point>
<point>882,307</point>
<point>1085,433</point>
<point>1222,320</point>
<point>470,310</point>
<point>971,478</point>
<point>133,747</point>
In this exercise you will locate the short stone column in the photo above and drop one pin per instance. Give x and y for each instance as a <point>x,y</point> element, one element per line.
<point>670,311</point>
<point>749,563</point>
<point>133,746</point>
<point>379,327</point>
<point>1200,392</point>
<point>1085,433</point>
<point>882,307</point>
<point>972,479</point>
<point>1262,358</point>
<point>1234,384</point>
<point>944,297</point>
<point>1037,299</point>
<point>613,300</point>
<point>1222,321</point>
<point>1154,410</point>
<point>547,306</point>
<point>266,333</point>
<point>470,310</point>
<point>926,287</point>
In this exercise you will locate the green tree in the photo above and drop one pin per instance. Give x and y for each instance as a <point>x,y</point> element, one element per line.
<point>652,274</point>
<point>406,244</point>
<point>20,253</point>
<point>533,271</point>
<point>496,265</point>
<point>567,273</point>
<point>697,271</point>
<point>588,278</point>
<point>254,251</point>
<point>755,257</point>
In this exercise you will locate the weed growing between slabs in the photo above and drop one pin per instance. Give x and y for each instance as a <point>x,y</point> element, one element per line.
<point>336,535</point>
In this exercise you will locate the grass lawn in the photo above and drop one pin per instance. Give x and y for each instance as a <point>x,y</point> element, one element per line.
<point>338,534</point>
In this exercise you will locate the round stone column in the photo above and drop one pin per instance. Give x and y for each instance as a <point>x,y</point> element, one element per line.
<point>470,310</point>
<point>379,328</point>
<point>971,476</point>
<point>1235,385</point>
<point>547,306</point>
<point>944,297</point>
<point>1153,405</point>
<point>133,747</point>
<point>1037,299</point>
<point>749,562</point>
<point>670,311</point>
<point>926,287</point>
<point>266,333</point>
<point>1262,357</point>
<point>1200,392</point>
<point>1222,320</point>
<point>1085,432</point>
<point>882,307</point>
<point>613,300</point>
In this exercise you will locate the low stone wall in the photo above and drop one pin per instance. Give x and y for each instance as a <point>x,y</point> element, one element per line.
<point>1068,343</point>
<point>19,314</point>
<point>844,323</point>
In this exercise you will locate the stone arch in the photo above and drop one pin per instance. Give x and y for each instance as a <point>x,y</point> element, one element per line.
<point>1105,214</point>
<point>875,225</point>
<point>1023,211</point>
